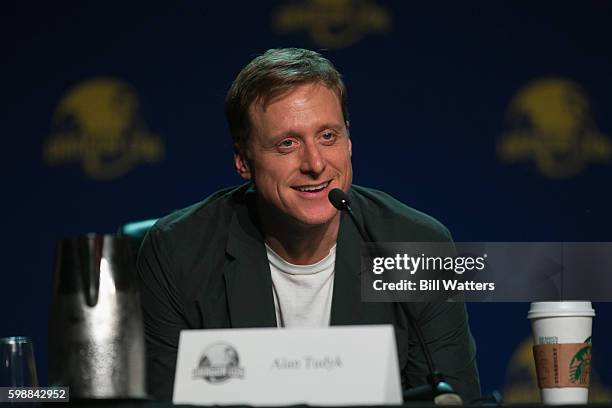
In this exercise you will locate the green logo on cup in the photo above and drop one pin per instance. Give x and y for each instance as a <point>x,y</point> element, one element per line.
<point>580,366</point>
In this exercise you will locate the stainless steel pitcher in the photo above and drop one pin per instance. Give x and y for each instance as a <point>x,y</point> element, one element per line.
<point>96,340</point>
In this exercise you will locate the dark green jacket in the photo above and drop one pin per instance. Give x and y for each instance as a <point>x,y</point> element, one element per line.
<point>205,267</point>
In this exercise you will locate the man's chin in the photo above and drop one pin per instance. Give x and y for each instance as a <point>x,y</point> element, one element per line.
<point>315,220</point>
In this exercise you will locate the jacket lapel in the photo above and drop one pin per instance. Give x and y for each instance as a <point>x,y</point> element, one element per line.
<point>247,274</point>
<point>347,307</point>
<point>346,301</point>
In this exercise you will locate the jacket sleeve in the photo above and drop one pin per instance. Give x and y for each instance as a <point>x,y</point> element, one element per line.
<point>163,314</point>
<point>446,332</point>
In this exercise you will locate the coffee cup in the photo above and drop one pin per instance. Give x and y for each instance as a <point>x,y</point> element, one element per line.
<point>562,350</point>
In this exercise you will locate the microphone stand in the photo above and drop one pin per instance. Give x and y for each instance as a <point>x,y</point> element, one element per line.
<point>436,389</point>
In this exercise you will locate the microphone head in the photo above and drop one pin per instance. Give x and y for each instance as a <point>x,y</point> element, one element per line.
<point>339,199</point>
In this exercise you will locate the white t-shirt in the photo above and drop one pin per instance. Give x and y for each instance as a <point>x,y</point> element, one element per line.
<point>302,293</point>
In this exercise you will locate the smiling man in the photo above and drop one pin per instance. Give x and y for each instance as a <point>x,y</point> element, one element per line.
<point>299,150</point>
<point>274,252</point>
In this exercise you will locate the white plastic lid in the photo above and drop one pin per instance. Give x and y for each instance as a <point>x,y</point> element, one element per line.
<point>560,309</point>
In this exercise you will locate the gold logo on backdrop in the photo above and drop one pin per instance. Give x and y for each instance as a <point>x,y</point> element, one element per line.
<point>550,122</point>
<point>99,123</point>
<point>332,23</point>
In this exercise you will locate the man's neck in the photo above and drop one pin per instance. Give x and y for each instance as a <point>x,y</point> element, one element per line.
<point>299,244</point>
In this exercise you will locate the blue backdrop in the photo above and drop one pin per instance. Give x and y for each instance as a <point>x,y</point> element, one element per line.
<point>494,117</point>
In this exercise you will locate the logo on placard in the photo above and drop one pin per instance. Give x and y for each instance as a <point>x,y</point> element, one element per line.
<point>550,122</point>
<point>580,366</point>
<point>333,23</point>
<point>219,362</point>
<point>99,123</point>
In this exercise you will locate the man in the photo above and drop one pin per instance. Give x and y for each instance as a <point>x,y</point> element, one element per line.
<point>274,252</point>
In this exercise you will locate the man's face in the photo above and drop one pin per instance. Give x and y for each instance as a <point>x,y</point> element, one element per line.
<point>299,150</point>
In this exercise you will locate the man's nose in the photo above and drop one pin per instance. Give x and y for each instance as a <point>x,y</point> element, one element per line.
<point>313,161</point>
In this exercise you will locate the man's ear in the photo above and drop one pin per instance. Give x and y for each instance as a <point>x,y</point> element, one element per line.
<point>241,165</point>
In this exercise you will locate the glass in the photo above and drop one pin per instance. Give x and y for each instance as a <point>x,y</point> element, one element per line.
<point>18,367</point>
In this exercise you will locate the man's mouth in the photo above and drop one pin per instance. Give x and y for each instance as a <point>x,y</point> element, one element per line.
<point>314,188</point>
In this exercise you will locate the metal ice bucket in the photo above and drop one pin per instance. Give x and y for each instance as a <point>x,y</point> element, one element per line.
<point>96,341</point>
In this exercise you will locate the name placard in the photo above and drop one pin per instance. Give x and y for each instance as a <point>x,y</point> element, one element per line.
<point>339,365</point>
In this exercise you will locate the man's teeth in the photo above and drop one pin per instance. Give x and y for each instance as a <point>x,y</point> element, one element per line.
<point>313,188</point>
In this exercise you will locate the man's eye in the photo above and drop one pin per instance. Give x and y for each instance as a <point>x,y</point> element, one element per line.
<point>287,145</point>
<point>328,136</point>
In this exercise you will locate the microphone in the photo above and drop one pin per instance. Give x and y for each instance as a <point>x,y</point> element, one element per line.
<point>437,388</point>
<point>340,200</point>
